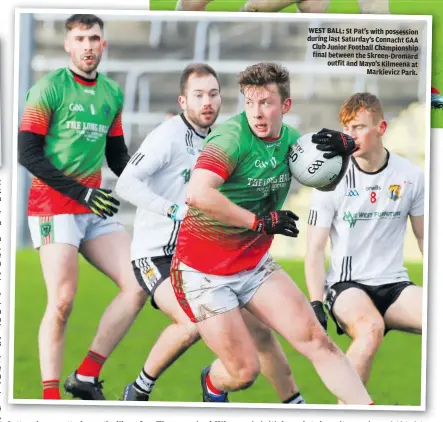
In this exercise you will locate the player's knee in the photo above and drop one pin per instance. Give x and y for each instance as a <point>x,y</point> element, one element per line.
<point>134,294</point>
<point>315,340</point>
<point>62,308</point>
<point>263,337</point>
<point>247,374</point>
<point>190,334</point>
<point>370,331</point>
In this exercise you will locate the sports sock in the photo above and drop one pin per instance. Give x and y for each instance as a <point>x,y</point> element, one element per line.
<point>217,394</point>
<point>51,390</point>
<point>144,382</point>
<point>90,367</point>
<point>297,398</point>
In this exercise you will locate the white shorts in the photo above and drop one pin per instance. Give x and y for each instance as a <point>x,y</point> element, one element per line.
<point>202,296</point>
<point>73,229</point>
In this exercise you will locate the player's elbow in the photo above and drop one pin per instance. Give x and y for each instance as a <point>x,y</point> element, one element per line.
<point>197,196</point>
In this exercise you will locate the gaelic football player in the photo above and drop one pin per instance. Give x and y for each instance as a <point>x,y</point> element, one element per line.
<point>71,124</point>
<point>367,289</point>
<point>155,181</point>
<point>222,260</point>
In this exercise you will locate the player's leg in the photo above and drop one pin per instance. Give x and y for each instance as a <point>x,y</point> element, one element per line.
<point>357,315</point>
<point>172,343</point>
<point>267,5</point>
<point>313,6</point>
<point>374,6</point>
<point>60,270</point>
<point>280,304</point>
<point>107,247</point>
<point>273,362</point>
<point>405,313</point>
<point>57,239</point>
<point>238,365</point>
<point>212,303</point>
<point>192,5</point>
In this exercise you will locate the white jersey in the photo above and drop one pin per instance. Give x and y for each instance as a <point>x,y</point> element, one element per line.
<point>163,162</point>
<point>367,215</point>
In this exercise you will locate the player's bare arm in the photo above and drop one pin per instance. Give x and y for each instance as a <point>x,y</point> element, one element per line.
<point>418,228</point>
<point>315,269</point>
<point>315,261</point>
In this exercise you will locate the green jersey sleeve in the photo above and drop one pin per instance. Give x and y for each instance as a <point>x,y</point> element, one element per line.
<point>220,154</point>
<point>41,101</point>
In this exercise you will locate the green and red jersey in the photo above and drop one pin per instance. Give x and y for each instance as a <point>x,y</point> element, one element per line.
<point>75,116</point>
<point>257,178</point>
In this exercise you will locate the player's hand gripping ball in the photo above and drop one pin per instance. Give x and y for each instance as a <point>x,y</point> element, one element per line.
<point>309,166</point>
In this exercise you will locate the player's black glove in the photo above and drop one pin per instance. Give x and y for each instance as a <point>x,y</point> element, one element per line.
<point>334,142</point>
<point>99,201</point>
<point>320,313</point>
<point>277,222</point>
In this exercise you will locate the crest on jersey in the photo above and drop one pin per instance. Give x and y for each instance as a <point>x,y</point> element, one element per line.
<point>45,229</point>
<point>106,110</point>
<point>394,192</point>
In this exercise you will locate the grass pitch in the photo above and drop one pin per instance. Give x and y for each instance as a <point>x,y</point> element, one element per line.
<point>396,376</point>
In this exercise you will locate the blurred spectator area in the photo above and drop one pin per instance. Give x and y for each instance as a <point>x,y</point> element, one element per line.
<point>146,55</point>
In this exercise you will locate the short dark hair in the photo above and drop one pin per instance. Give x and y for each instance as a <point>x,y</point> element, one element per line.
<point>262,74</point>
<point>200,69</point>
<point>87,21</point>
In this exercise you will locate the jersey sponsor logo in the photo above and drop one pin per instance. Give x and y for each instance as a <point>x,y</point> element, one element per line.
<point>394,192</point>
<point>91,131</point>
<point>315,166</point>
<point>264,164</point>
<point>89,91</point>
<point>349,217</point>
<point>352,192</point>
<point>376,187</point>
<point>353,217</point>
<point>76,107</point>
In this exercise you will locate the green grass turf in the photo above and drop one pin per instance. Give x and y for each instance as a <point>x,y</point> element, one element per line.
<point>400,7</point>
<point>396,376</point>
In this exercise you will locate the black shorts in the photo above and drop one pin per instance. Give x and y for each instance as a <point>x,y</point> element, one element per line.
<point>382,296</point>
<point>150,273</point>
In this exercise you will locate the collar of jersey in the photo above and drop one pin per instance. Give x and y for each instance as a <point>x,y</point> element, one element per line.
<point>354,161</point>
<point>192,127</point>
<point>82,80</point>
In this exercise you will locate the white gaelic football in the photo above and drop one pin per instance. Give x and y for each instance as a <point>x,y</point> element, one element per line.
<point>309,167</point>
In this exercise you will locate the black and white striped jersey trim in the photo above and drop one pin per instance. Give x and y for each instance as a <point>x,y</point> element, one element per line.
<point>169,249</point>
<point>188,137</point>
<point>312,218</point>
<point>350,177</point>
<point>136,158</point>
<point>346,269</point>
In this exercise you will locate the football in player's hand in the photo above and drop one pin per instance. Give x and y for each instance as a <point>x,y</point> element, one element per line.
<point>309,167</point>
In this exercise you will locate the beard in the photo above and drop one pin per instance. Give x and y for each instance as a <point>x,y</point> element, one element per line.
<point>200,120</point>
